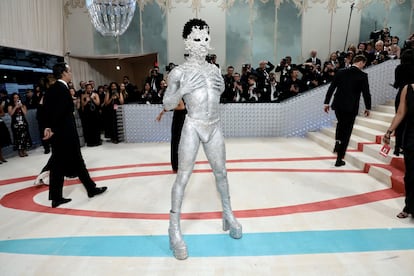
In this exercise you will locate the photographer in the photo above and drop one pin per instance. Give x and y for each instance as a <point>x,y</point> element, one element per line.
<point>263,82</point>
<point>155,79</point>
<point>292,86</point>
<point>239,95</point>
<point>311,75</point>
<point>247,70</point>
<point>228,95</point>
<point>212,58</point>
<point>379,55</point>
<point>284,68</point>
<point>328,73</point>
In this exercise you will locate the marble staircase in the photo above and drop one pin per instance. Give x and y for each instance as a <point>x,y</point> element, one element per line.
<point>365,145</point>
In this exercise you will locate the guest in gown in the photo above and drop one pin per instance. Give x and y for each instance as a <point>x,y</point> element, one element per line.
<point>406,110</point>
<point>91,116</point>
<point>113,99</point>
<point>20,128</point>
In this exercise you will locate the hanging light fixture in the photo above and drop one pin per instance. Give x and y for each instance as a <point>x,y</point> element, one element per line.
<point>111,17</point>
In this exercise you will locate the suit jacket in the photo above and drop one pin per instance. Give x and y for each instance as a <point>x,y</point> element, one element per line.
<point>66,156</point>
<point>349,84</point>
<point>317,61</point>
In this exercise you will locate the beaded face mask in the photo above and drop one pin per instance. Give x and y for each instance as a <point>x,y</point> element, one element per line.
<point>197,42</point>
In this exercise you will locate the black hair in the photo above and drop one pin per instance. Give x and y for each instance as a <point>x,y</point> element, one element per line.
<point>359,58</point>
<point>59,68</point>
<point>407,57</point>
<point>188,27</point>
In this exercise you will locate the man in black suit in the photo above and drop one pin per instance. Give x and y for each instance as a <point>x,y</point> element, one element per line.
<point>60,128</point>
<point>349,84</point>
<point>263,80</point>
<point>313,59</point>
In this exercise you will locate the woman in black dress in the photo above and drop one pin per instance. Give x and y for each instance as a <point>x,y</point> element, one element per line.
<point>404,74</point>
<point>406,110</point>
<point>176,127</point>
<point>19,125</point>
<point>113,99</point>
<point>90,104</point>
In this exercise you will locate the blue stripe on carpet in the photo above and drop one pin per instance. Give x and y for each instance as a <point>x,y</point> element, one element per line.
<point>251,244</point>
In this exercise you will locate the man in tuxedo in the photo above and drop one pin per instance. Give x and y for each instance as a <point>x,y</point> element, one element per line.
<point>313,59</point>
<point>60,128</point>
<point>263,80</point>
<point>349,84</point>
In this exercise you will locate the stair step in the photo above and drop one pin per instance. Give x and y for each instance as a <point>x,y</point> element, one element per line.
<point>385,108</point>
<point>365,145</point>
<point>322,139</point>
<point>372,123</point>
<point>381,116</point>
<point>367,133</point>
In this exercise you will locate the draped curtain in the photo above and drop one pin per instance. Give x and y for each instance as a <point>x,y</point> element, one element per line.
<point>82,70</point>
<point>36,25</point>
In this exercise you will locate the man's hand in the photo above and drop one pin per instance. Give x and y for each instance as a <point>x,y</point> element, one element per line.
<point>366,113</point>
<point>326,108</point>
<point>47,133</point>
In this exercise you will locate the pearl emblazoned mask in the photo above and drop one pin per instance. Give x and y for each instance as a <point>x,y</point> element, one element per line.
<point>198,42</point>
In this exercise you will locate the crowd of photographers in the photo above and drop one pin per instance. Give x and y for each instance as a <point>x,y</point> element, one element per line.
<point>275,83</point>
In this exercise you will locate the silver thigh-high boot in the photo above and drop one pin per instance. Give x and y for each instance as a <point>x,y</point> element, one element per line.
<point>177,244</point>
<point>229,221</point>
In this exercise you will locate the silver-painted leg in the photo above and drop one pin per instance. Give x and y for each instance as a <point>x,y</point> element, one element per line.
<point>177,244</point>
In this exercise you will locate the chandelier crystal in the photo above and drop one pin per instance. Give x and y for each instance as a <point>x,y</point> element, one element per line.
<point>111,17</point>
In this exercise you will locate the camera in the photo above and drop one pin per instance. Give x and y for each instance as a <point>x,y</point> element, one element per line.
<point>209,58</point>
<point>169,67</point>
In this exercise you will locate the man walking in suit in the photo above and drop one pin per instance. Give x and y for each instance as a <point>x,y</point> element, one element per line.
<point>349,84</point>
<point>60,128</point>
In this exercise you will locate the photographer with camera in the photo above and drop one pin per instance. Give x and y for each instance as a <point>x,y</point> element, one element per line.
<point>284,68</point>
<point>247,70</point>
<point>292,86</point>
<point>263,81</point>
<point>212,58</point>
<point>311,75</point>
<point>228,93</point>
<point>379,54</point>
<point>239,95</point>
<point>155,79</point>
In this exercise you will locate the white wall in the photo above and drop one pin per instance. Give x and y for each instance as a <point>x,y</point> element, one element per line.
<point>79,33</point>
<point>180,14</point>
<point>326,31</point>
<point>35,25</point>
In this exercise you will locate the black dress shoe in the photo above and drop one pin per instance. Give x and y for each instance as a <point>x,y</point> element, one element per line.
<point>56,203</point>
<point>97,191</point>
<point>339,163</point>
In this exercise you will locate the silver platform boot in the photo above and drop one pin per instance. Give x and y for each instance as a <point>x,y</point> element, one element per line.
<point>177,244</point>
<point>229,221</point>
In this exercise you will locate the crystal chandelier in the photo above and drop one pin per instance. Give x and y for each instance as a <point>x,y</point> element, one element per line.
<point>111,17</point>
